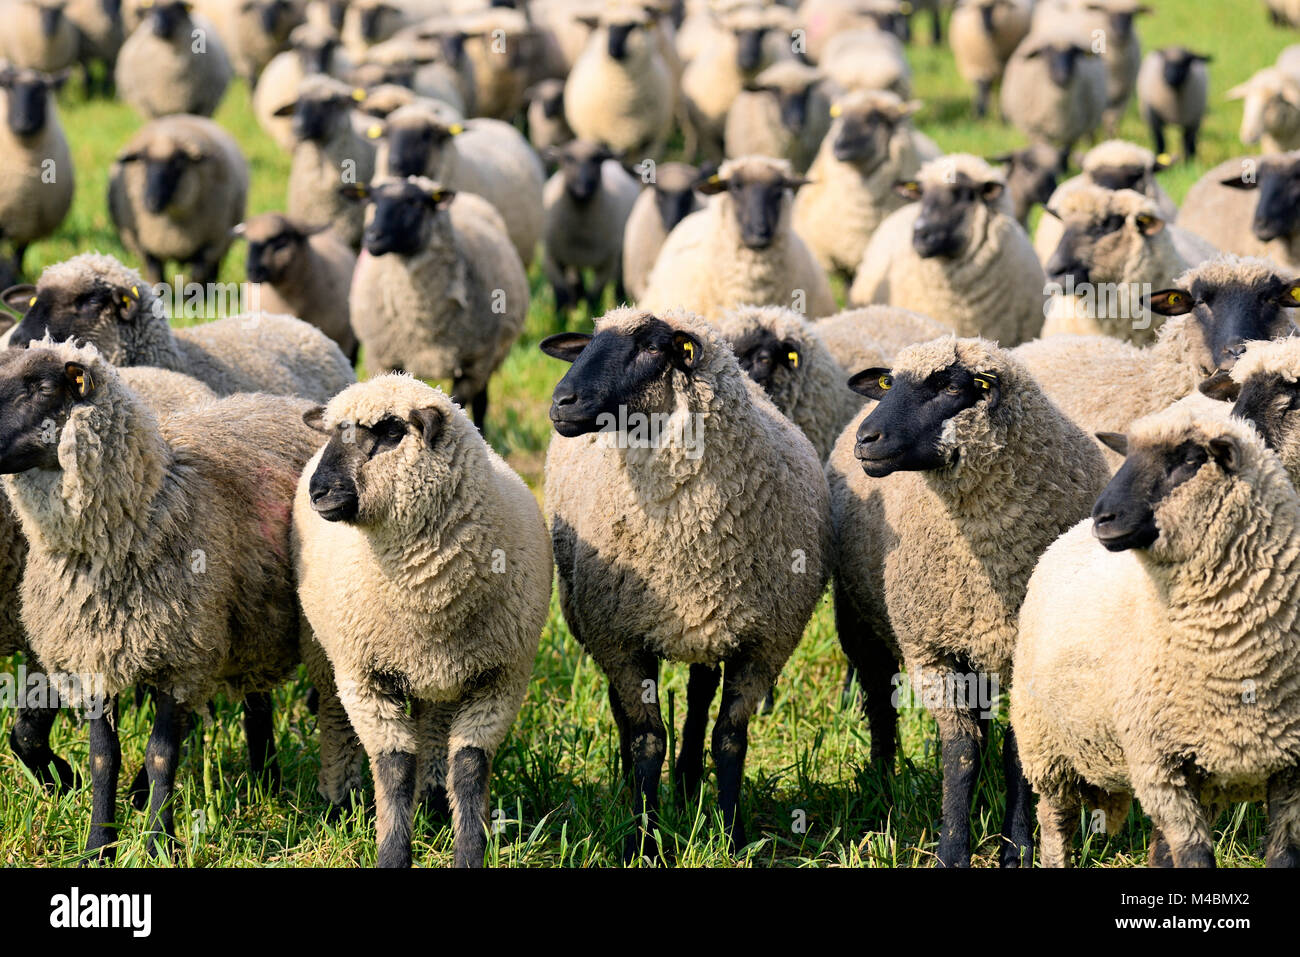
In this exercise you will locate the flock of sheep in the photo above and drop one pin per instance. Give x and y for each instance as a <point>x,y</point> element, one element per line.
<point>1069,457</point>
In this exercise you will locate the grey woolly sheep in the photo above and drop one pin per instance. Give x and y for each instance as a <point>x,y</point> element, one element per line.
<point>1264,222</point>
<point>783,353</point>
<point>546,123</point>
<point>257,30</point>
<point>784,112</point>
<point>433,65</point>
<point>482,156</point>
<point>158,554</point>
<point>38,35</point>
<point>172,63</point>
<point>870,147</point>
<point>741,249</point>
<point>404,467</point>
<point>37,178</point>
<point>499,43</point>
<point>873,335</point>
<point>1191,703</point>
<point>312,49</point>
<point>588,201</point>
<point>1172,89</point>
<point>958,255</point>
<point>174,193</point>
<point>302,270</point>
<point>983,34</point>
<point>941,501</point>
<point>328,152</point>
<point>94,298</point>
<point>1031,177</point>
<point>663,203</point>
<point>367,22</point>
<point>1054,89</point>
<point>1262,386</point>
<point>100,35</point>
<point>439,291</point>
<point>661,582</point>
<point>620,92</point>
<point>1270,110</point>
<point>1122,53</point>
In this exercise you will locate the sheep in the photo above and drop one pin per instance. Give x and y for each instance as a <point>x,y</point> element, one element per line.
<point>1265,223</point>
<point>94,298</point>
<point>158,553</point>
<point>823,20</point>
<point>37,178</point>
<point>660,581</point>
<point>1031,177</point>
<point>873,335</point>
<point>304,271</point>
<point>1122,52</point>
<point>1261,386</point>
<point>482,156</point>
<point>1213,310</point>
<point>668,199</point>
<point>958,255</point>
<point>546,123</point>
<point>870,147</point>
<point>588,202</point>
<point>1172,89</point>
<point>172,63</point>
<point>312,49</point>
<point>328,152</point>
<point>1054,90</point>
<point>620,92</point>
<point>1270,111</point>
<point>784,112</point>
<point>367,22</point>
<point>499,41</point>
<point>439,292</point>
<point>38,35</point>
<point>983,34</point>
<point>867,59</point>
<point>100,35</point>
<point>404,467</point>
<point>741,248</point>
<point>257,30</point>
<point>1190,703</point>
<point>432,64</point>
<point>175,191</point>
<point>783,353</point>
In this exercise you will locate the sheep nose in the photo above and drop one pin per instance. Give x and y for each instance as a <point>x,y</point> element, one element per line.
<point>564,397</point>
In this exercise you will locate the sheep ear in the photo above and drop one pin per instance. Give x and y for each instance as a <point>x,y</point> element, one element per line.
<point>792,354</point>
<point>429,422</point>
<point>127,300</point>
<point>1117,442</point>
<point>910,190</point>
<point>1227,452</point>
<point>314,418</point>
<point>1220,386</point>
<point>989,384</point>
<point>1289,298</point>
<point>1171,302</point>
<point>1055,214</point>
<point>129,156</point>
<point>992,191</point>
<point>286,110</point>
<point>711,185</point>
<point>83,384</point>
<point>687,351</point>
<point>19,298</point>
<point>355,191</point>
<point>873,383</point>
<point>795,183</point>
<point>441,198</point>
<point>57,80</point>
<point>1239,182</point>
<point>1150,225</point>
<point>565,345</point>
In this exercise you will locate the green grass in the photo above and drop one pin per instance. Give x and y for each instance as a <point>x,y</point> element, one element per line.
<point>554,790</point>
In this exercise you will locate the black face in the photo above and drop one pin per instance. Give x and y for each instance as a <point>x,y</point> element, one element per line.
<point>1277,213</point>
<point>1061,61</point>
<point>1035,182</point>
<point>1125,514</point>
<point>165,18</point>
<point>161,177</point>
<point>112,8</point>
<point>337,8</point>
<point>61,314</point>
<point>267,258</point>
<point>749,49</point>
<point>400,213</point>
<point>37,391</point>
<point>333,488</point>
<point>553,103</point>
<point>410,147</point>
<point>1120,177</point>
<point>613,370</point>
<point>902,433</point>
<point>940,229</point>
<point>1073,253</point>
<point>673,205</point>
<point>1176,64</point>
<point>580,165</point>
<point>316,58</point>
<point>453,48</point>
<point>794,108</point>
<point>371,21</point>
<point>986,17</point>
<point>863,138</point>
<point>314,118</point>
<point>51,17</point>
<point>618,37</point>
<point>1233,314</point>
<point>1271,403</point>
<point>758,207</point>
<point>760,354</point>
<point>1121,25</point>
<point>271,15</point>
<point>28,107</point>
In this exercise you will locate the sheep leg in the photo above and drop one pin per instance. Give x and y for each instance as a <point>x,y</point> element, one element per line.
<point>153,269</point>
<point>30,740</point>
<point>105,763</point>
<point>463,394</point>
<point>433,727</point>
<point>1189,142</point>
<point>394,773</point>
<point>745,681</point>
<point>620,722</point>
<point>982,89</point>
<point>1157,128</point>
<point>871,659</point>
<point>645,742</point>
<point>468,776</point>
<point>204,269</point>
<point>1283,846</point>
<point>959,738</point>
<point>1158,850</point>
<point>259,731</point>
<point>1058,818</point>
<point>161,756</point>
<point>1017,824</point>
<point>1176,810</point>
<point>700,689</point>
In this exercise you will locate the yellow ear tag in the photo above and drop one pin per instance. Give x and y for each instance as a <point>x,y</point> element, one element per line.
<point>135,292</point>
<point>715,178</point>
<point>794,359</point>
<point>455,129</point>
<point>32,301</point>
<point>689,349</point>
<point>375,132</point>
<point>1295,294</point>
<point>836,110</point>
<point>1164,159</point>
<point>359,94</point>
<point>126,300</point>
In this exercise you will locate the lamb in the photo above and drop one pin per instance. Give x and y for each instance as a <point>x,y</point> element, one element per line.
<point>983,34</point>
<point>312,49</point>
<point>94,298</point>
<point>197,598</point>
<point>870,147</point>
<point>740,249</point>
<point>37,177</point>
<point>664,203</point>
<point>1031,177</point>
<point>174,193</point>
<point>1054,90</point>
<point>588,202</point>
<point>660,581</point>
<point>1265,224</point>
<point>1271,110</point>
<point>958,255</point>
<point>783,353</point>
<point>1172,89</point>
<point>482,156</point>
<point>404,467</point>
<point>873,335</point>
<point>38,35</point>
<point>440,292</point>
<point>784,112</point>
<point>1190,704</point>
<point>304,271</point>
<point>620,92</point>
<point>328,152</point>
<point>941,500</point>
<point>547,126</point>
<point>172,63</point>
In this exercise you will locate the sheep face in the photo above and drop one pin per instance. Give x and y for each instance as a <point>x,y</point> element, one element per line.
<point>906,431</point>
<point>161,170</point>
<point>1101,236</point>
<point>549,96</point>
<point>580,164</point>
<point>674,189</point>
<point>1176,64</point>
<point>1062,59</point>
<point>416,144</point>
<point>320,111</point>
<point>1277,209</point>
<point>86,308</point>
<point>26,99</point>
<point>949,212</point>
<point>1229,314</point>
<point>315,48</point>
<point>768,360</point>
<point>275,18</point>
<point>402,214</point>
<point>759,196</point>
<point>1137,178</point>
<point>51,18</point>
<point>168,19</point>
<point>862,129</point>
<point>749,48</point>
<point>1269,400</point>
<point>617,370</point>
<point>378,21</point>
<point>37,393</point>
<point>1031,176</point>
<point>274,243</point>
<point>623,33</point>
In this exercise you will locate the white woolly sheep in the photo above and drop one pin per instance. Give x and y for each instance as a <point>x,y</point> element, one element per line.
<point>255,31</point>
<point>873,335</point>
<point>1270,110</point>
<point>38,35</point>
<point>1264,222</point>
<point>784,112</point>
<point>867,59</point>
<point>1172,89</point>
<point>499,42</point>
<point>37,178</point>
<point>1122,52</point>
<point>663,203</point>
<point>983,34</point>
<point>172,63</point>
<point>1054,89</point>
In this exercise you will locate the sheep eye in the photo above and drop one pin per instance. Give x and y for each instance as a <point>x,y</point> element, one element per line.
<point>952,388</point>
<point>886,382</point>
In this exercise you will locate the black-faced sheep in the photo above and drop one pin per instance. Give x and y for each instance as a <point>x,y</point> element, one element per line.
<point>36,175</point>
<point>664,202</point>
<point>1172,89</point>
<point>172,62</point>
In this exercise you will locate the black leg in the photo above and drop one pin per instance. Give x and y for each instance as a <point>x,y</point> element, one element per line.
<point>730,744</point>
<point>479,407</point>
<point>469,779</point>
<point>620,722</point>
<point>645,742</point>
<point>153,269</point>
<point>982,89</point>
<point>138,792</point>
<point>161,756</point>
<point>30,741</point>
<point>873,661</point>
<point>700,689</point>
<point>1196,855</point>
<point>1157,128</point>
<point>394,773</point>
<point>1189,143</point>
<point>959,736</point>
<point>105,763</point>
<point>259,730</point>
<point>1018,823</point>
